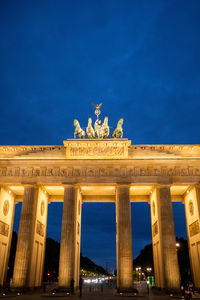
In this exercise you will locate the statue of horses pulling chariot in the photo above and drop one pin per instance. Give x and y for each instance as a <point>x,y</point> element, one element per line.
<point>78,130</point>
<point>118,131</point>
<point>100,131</point>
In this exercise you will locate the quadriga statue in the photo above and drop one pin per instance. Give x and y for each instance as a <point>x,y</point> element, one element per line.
<point>105,128</point>
<point>118,130</point>
<point>101,131</point>
<point>78,130</point>
<point>90,131</point>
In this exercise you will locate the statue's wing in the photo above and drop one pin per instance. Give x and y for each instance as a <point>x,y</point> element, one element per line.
<point>94,106</point>
<point>99,105</point>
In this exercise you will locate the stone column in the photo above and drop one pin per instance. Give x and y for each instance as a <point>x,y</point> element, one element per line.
<point>192,213</point>
<point>164,241</point>
<point>67,264</point>
<point>124,239</point>
<point>78,237</point>
<point>39,240</point>
<point>7,207</point>
<point>25,238</point>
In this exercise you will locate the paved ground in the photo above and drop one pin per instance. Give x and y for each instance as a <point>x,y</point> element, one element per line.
<point>94,293</point>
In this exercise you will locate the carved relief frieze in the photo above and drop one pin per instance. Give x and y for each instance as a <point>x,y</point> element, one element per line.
<point>97,171</point>
<point>4,228</point>
<point>194,228</point>
<point>6,206</point>
<point>96,151</point>
<point>95,148</point>
<point>155,229</point>
<point>40,228</point>
<point>19,150</point>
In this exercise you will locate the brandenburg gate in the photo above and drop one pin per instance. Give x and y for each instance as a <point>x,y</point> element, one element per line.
<point>98,169</point>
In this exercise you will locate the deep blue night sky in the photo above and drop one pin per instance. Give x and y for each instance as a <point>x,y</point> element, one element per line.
<point>140,58</point>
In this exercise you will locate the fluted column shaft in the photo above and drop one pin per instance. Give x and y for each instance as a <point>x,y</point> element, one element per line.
<point>68,238</point>
<point>192,213</point>
<point>124,239</point>
<point>25,237</point>
<point>164,240</point>
<point>7,206</point>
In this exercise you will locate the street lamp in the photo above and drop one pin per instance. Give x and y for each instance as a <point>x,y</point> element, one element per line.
<point>138,269</point>
<point>149,269</point>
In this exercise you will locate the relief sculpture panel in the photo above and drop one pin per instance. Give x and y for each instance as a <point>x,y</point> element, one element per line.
<point>97,171</point>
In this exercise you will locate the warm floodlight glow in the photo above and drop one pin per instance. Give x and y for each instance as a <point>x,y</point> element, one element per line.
<point>149,269</point>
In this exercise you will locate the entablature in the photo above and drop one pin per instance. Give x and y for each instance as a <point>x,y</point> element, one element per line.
<point>99,149</point>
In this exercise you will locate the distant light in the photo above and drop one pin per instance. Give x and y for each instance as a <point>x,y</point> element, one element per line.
<point>177,244</point>
<point>188,191</point>
<point>149,269</point>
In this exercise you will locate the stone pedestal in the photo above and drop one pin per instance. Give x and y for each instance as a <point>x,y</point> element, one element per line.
<point>192,213</point>
<point>25,238</point>
<point>164,242</point>
<point>124,239</point>
<point>68,246</point>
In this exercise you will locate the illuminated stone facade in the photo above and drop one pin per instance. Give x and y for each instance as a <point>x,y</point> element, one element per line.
<point>98,170</point>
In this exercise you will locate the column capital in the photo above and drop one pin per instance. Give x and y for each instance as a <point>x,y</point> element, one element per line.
<point>163,185</point>
<point>27,183</point>
<point>128,185</point>
<point>30,185</point>
<point>69,184</point>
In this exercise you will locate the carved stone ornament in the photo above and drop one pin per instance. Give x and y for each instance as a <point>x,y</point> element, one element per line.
<point>155,229</point>
<point>4,228</point>
<point>153,208</point>
<point>113,150</point>
<point>42,208</point>
<point>191,207</point>
<point>6,207</point>
<point>194,228</point>
<point>40,228</point>
<point>93,149</point>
